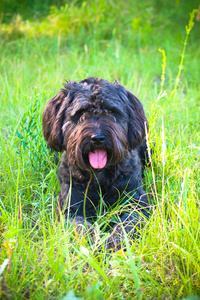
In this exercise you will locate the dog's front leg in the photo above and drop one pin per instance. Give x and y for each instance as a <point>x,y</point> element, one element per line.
<point>130,223</point>
<point>71,202</point>
<point>82,227</point>
<point>136,218</point>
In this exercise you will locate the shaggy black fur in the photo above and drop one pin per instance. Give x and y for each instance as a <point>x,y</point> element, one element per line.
<point>96,116</point>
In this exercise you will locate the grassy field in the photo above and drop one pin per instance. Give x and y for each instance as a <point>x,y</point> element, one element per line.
<point>43,46</point>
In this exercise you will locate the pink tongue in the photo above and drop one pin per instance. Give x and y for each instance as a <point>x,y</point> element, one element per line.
<point>98,159</point>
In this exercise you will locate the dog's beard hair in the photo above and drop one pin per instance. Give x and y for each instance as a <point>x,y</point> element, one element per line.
<point>78,142</point>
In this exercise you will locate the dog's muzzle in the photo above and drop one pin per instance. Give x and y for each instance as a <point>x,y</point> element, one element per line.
<point>98,139</point>
<point>98,157</point>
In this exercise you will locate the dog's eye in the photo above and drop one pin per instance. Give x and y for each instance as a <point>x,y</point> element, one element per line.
<point>111,111</point>
<point>80,112</point>
<point>114,111</point>
<point>78,115</point>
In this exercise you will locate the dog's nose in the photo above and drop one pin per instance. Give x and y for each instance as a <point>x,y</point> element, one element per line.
<point>98,139</point>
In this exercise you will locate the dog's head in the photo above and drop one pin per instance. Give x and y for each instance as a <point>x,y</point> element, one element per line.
<point>95,121</point>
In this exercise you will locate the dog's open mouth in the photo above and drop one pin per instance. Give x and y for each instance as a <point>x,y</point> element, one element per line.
<point>98,158</point>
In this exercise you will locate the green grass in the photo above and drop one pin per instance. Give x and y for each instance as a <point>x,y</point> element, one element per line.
<point>45,259</point>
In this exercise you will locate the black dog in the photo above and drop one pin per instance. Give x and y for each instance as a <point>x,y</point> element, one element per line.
<point>100,127</point>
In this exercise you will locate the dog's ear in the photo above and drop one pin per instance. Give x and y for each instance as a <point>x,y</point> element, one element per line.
<point>52,120</point>
<point>137,124</point>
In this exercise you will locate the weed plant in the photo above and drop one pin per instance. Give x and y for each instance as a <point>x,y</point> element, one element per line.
<point>41,257</point>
